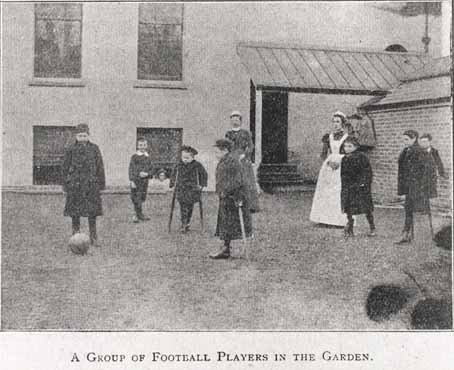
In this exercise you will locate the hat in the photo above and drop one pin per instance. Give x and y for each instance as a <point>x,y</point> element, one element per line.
<point>82,127</point>
<point>223,144</point>
<point>189,149</point>
<point>235,113</point>
<point>340,114</point>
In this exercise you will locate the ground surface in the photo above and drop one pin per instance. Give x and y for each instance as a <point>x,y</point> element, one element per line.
<point>297,277</point>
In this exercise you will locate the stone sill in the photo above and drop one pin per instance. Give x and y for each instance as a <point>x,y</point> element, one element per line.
<point>57,82</point>
<point>172,85</point>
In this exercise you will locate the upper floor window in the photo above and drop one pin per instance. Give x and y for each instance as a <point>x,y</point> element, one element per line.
<point>160,44</point>
<point>58,34</point>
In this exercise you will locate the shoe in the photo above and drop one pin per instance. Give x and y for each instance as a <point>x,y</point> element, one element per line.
<point>135,219</point>
<point>224,254</point>
<point>372,233</point>
<point>144,218</point>
<point>405,239</point>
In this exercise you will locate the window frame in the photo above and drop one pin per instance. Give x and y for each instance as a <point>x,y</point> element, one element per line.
<point>58,81</point>
<point>161,84</point>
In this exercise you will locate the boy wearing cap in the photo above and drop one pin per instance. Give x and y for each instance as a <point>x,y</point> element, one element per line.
<point>189,178</point>
<point>83,179</point>
<point>140,170</point>
<point>242,150</point>
<point>232,191</point>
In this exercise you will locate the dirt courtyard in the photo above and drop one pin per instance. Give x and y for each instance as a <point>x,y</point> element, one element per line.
<point>298,276</point>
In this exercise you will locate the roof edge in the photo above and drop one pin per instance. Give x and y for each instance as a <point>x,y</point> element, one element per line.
<point>284,45</point>
<point>371,106</point>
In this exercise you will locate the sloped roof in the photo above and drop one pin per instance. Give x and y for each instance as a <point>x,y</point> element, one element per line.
<point>427,85</point>
<point>318,69</point>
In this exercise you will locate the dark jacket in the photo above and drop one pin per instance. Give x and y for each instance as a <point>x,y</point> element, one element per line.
<point>326,147</point>
<point>356,179</point>
<point>413,178</point>
<point>137,164</point>
<point>83,179</point>
<point>435,168</point>
<point>231,188</point>
<point>189,178</point>
<point>242,142</point>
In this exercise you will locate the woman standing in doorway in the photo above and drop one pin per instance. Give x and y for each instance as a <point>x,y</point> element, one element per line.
<point>326,204</point>
<point>242,150</point>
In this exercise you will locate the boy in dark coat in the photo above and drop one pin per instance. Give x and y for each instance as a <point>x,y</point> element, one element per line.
<point>356,180</point>
<point>232,188</point>
<point>189,178</point>
<point>435,163</point>
<point>140,171</point>
<point>83,179</point>
<point>413,182</point>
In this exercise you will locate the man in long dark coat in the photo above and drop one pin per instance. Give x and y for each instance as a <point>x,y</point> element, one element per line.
<point>436,167</point>
<point>413,182</point>
<point>231,188</point>
<point>356,179</point>
<point>83,180</point>
<point>242,150</point>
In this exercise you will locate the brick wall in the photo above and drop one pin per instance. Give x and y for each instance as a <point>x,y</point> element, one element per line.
<point>389,126</point>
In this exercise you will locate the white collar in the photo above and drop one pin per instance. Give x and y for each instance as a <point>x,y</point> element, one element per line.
<point>236,129</point>
<point>142,153</point>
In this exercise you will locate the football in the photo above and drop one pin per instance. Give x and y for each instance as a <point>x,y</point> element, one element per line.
<point>79,243</point>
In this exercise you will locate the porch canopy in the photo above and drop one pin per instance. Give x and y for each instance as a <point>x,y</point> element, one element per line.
<point>326,70</point>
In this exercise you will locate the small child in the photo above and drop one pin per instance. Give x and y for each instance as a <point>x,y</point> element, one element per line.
<point>189,178</point>
<point>160,183</point>
<point>356,180</point>
<point>232,188</point>
<point>435,163</point>
<point>413,179</point>
<point>140,170</point>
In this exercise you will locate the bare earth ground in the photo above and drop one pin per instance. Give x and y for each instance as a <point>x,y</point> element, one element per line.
<point>297,277</point>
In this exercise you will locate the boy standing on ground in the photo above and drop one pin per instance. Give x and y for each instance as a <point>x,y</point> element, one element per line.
<point>83,179</point>
<point>356,179</point>
<point>140,171</point>
<point>189,178</point>
<point>232,188</point>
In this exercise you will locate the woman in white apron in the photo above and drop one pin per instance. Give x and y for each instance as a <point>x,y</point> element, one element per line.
<point>326,204</point>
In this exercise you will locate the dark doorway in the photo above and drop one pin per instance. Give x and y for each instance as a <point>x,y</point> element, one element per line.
<point>274,127</point>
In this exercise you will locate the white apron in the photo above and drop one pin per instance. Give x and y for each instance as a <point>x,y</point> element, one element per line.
<point>326,204</point>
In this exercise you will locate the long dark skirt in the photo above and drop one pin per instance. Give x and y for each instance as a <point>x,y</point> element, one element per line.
<point>228,226</point>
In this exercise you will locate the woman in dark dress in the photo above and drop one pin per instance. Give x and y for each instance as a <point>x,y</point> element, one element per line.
<point>83,180</point>
<point>242,150</point>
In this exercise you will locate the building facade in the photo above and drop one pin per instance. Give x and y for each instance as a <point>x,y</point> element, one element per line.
<point>170,72</point>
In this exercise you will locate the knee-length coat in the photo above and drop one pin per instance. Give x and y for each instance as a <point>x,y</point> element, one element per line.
<point>188,179</point>
<point>413,178</point>
<point>231,188</point>
<point>356,180</point>
<point>242,145</point>
<point>435,168</point>
<point>83,179</point>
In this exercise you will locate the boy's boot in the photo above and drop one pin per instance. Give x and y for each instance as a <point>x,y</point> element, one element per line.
<point>223,254</point>
<point>75,224</point>
<point>406,237</point>
<point>370,219</point>
<point>348,229</point>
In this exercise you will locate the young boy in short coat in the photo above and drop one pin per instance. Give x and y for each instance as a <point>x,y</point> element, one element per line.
<point>140,171</point>
<point>356,180</point>
<point>232,188</point>
<point>189,178</point>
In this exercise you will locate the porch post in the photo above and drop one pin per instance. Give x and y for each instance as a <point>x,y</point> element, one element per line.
<point>258,128</point>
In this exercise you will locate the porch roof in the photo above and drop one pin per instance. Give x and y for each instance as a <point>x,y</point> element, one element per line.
<point>326,70</point>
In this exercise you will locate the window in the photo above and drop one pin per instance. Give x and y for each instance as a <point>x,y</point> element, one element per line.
<point>49,143</point>
<point>164,145</point>
<point>58,33</point>
<point>160,44</point>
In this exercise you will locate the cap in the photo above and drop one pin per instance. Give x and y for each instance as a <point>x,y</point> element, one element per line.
<point>340,114</point>
<point>235,113</point>
<point>82,127</point>
<point>223,144</point>
<point>189,149</point>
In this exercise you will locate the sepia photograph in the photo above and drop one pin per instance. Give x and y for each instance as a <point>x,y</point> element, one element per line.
<point>226,166</point>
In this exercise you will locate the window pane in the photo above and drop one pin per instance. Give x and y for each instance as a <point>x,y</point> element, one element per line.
<point>57,43</point>
<point>161,13</point>
<point>62,11</point>
<point>160,52</point>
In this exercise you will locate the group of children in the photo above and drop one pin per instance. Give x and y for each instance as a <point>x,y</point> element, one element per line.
<point>418,168</point>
